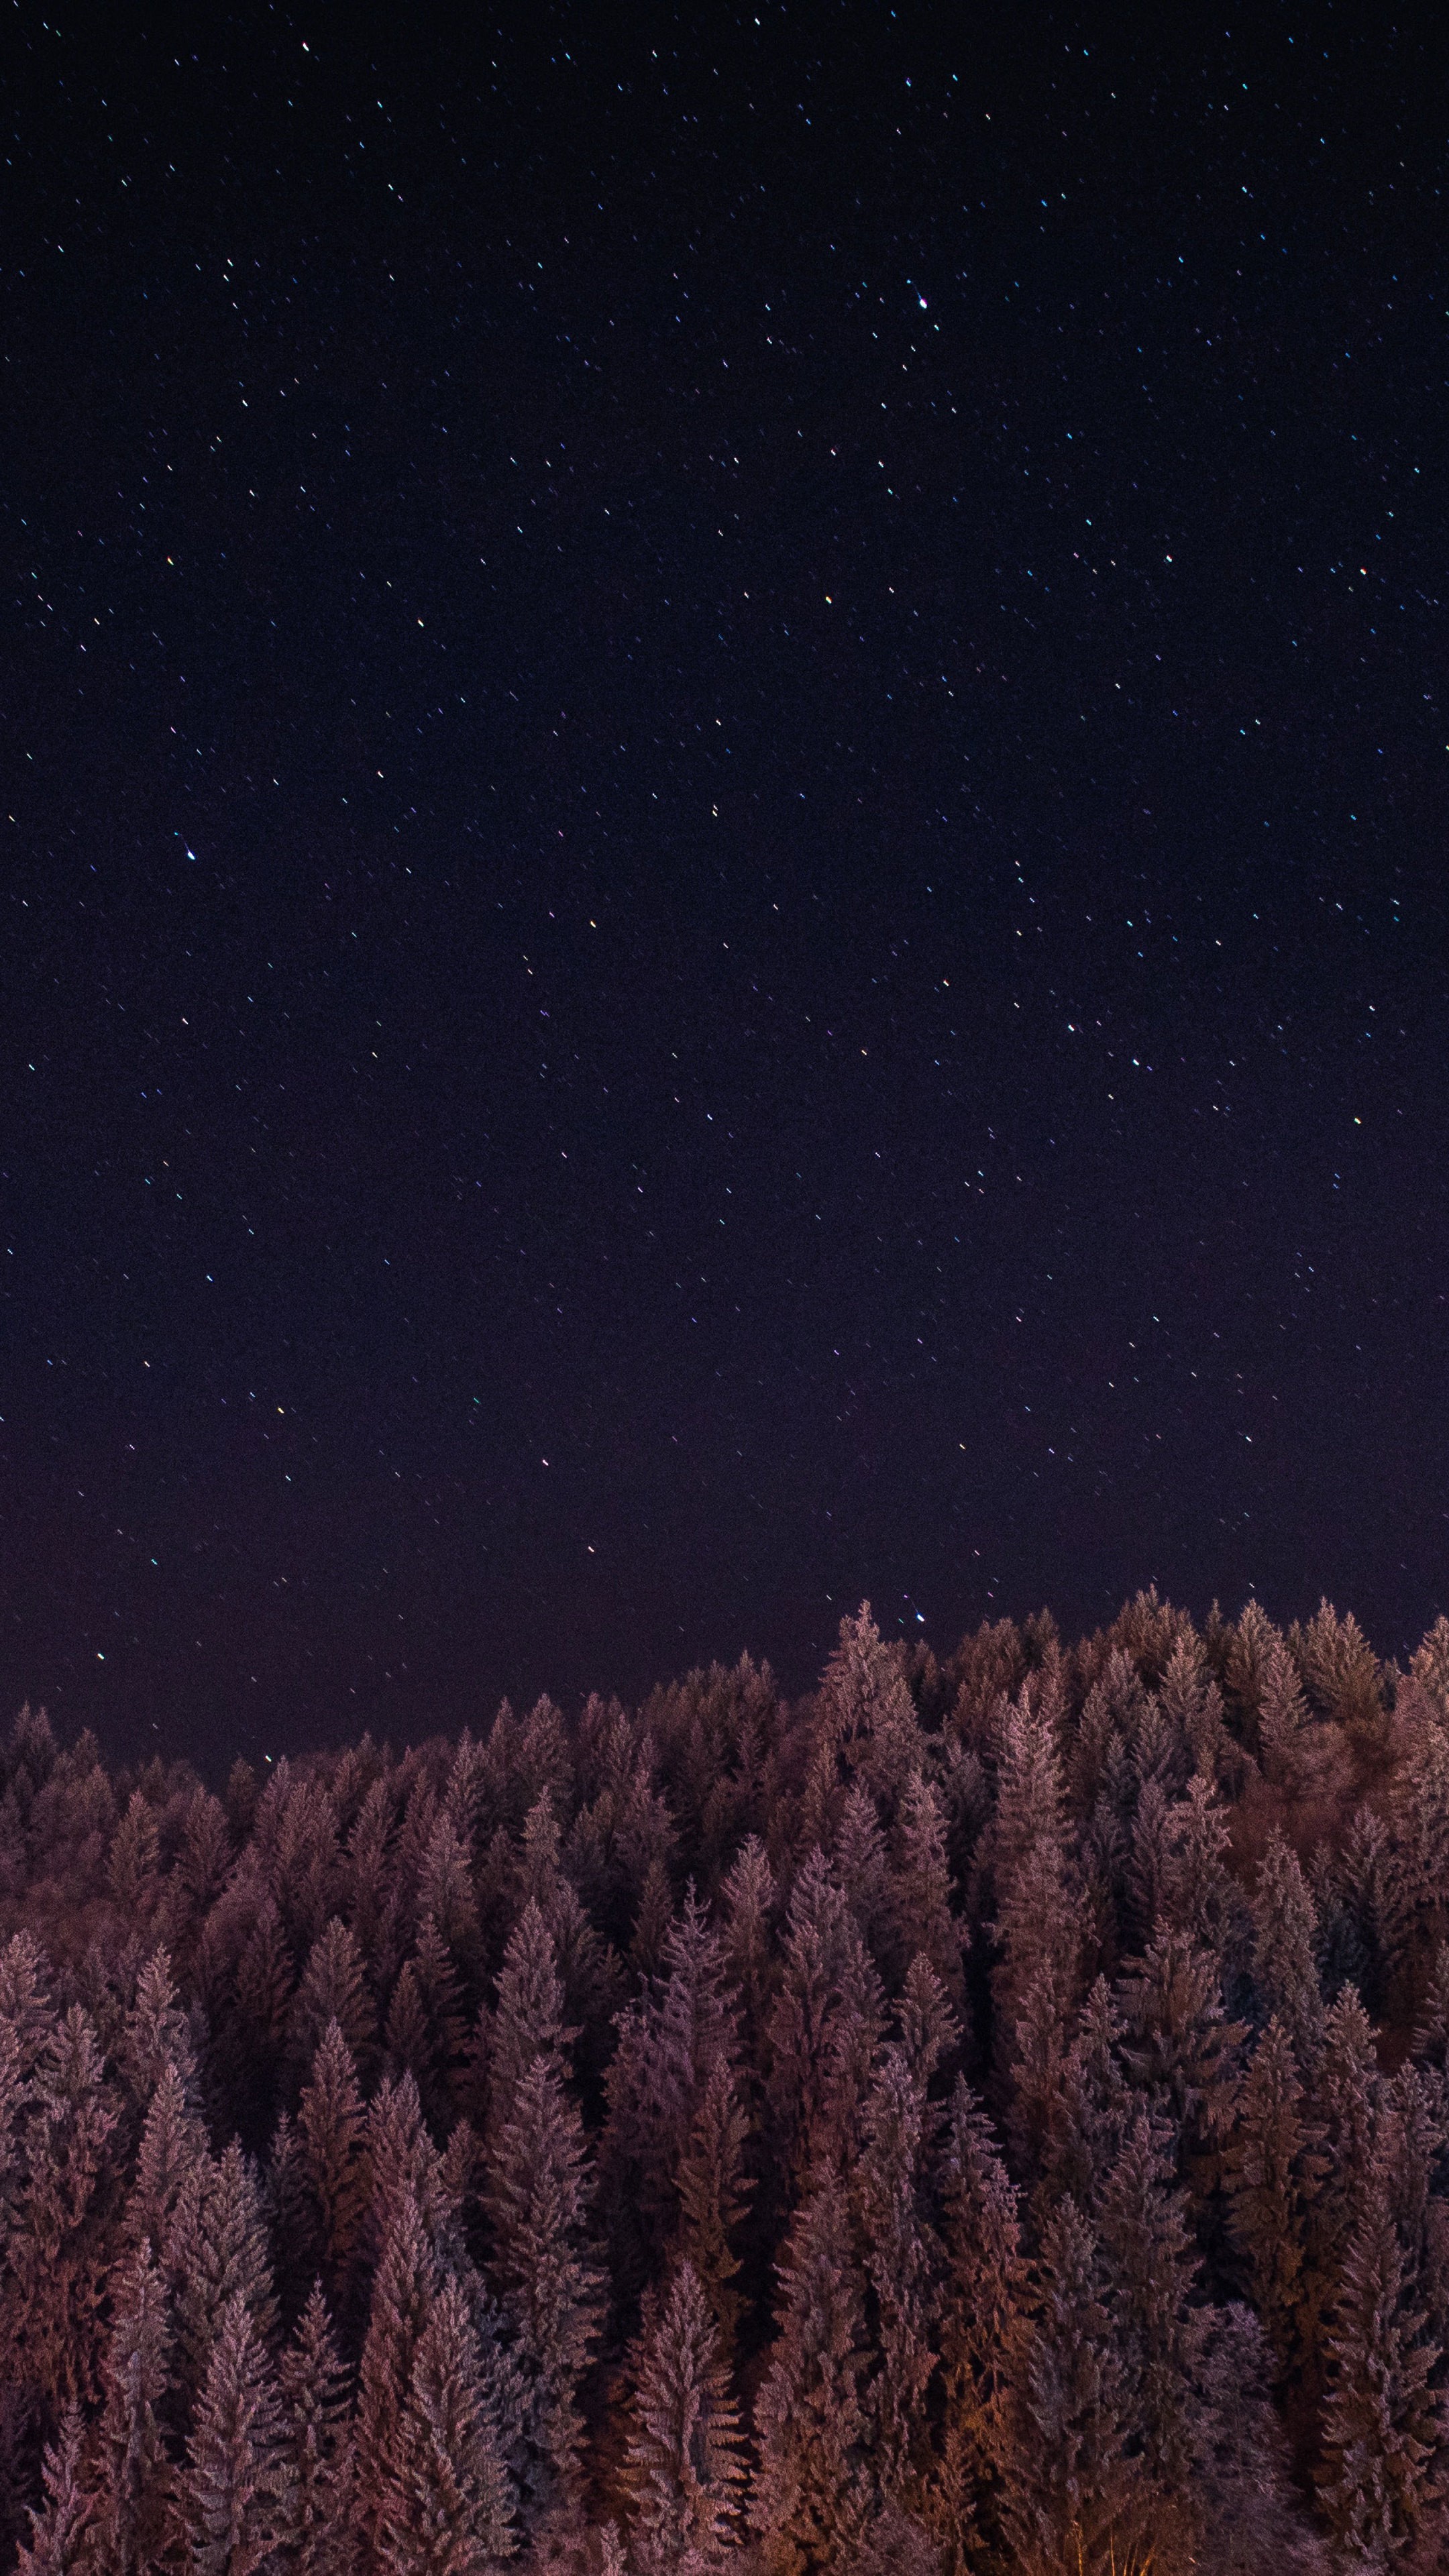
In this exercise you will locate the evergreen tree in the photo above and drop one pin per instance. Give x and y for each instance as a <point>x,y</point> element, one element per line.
<point>537,2193</point>
<point>333,1988</point>
<point>403,2290</point>
<point>1182,2055</point>
<point>59,2245</point>
<point>714,2194</point>
<point>924,1923</point>
<point>173,2146</point>
<point>61,2529</point>
<point>812,2496</point>
<point>233,2500</point>
<point>901,2262</point>
<point>447,2508</point>
<point>1274,2175</point>
<point>1072,2496</point>
<point>1158,2336</point>
<point>1284,1973</point>
<point>684,2451</point>
<point>1383,2423</point>
<point>984,2279</point>
<point>529,2020</point>
<point>217,2251</point>
<point>133,2481</point>
<point>318,2448</point>
<point>331,2124</point>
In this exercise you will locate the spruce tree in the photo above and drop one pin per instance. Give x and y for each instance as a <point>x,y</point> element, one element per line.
<point>1274,2173</point>
<point>403,2290</point>
<point>902,2259</point>
<point>1072,2495</point>
<point>982,2290</point>
<point>233,2499</point>
<point>1284,1972</point>
<point>331,2125</point>
<point>133,2482</point>
<point>318,2434</point>
<point>684,2447</point>
<point>811,2497</point>
<point>446,2506</point>
<point>1150,2267</point>
<point>217,2251</point>
<point>333,1988</point>
<point>537,2194</point>
<point>714,2194</point>
<point>1383,2423</point>
<point>60,2534</point>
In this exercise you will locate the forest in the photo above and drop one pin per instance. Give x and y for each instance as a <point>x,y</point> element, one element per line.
<point>986,2114</point>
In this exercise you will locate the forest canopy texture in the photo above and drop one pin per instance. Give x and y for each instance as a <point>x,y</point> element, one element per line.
<point>986,2115</point>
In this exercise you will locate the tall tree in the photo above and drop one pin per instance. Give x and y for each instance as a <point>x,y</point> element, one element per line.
<point>318,2448</point>
<point>447,2508</point>
<point>133,2481</point>
<point>812,2494</point>
<point>537,2193</point>
<point>233,2496</point>
<point>686,2473</point>
<point>60,2534</point>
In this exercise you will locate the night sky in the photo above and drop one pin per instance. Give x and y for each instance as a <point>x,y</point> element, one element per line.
<point>724,768</point>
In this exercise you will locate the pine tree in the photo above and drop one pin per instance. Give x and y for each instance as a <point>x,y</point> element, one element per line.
<point>218,2251</point>
<point>331,2124</point>
<point>1034,1984</point>
<point>1072,2492</point>
<point>318,2434</point>
<point>60,2532</point>
<point>812,2496</point>
<point>823,2025</point>
<point>333,1988</point>
<point>447,2507</point>
<point>1182,2054</point>
<point>173,2145</point>
<point>984,2279</point>
<point>1290,1742</point>
<point>1383,2423</point>
<point>1284,1973</point>
<point>133,2481</point>
<point>529,2020</point>
<point>714,2194</point>
<point>1344,2107</point>
<point>924,1923</point>
<point>1158,2335</point>
<point>537,2194</point>
<point>233,2501</point>
<point>403,2290</point>
<point>59,2246</point>
<point>1274,2175</point>
<point>1086,2112</point>
<point>155,2036</point>
<point>901,2261</point>
<point>685,2469</point>
<point>866,1710</point>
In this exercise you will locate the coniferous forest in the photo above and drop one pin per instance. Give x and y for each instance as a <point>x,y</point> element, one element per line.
<point>986,2115</point>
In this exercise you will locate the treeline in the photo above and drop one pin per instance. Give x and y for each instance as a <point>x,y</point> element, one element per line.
<point>988,2115</point>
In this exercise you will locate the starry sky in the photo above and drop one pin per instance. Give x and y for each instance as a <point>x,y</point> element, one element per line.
<point>724,768</point>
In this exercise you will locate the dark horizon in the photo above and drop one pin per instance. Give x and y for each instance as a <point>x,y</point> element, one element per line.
<point>725,793</point>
